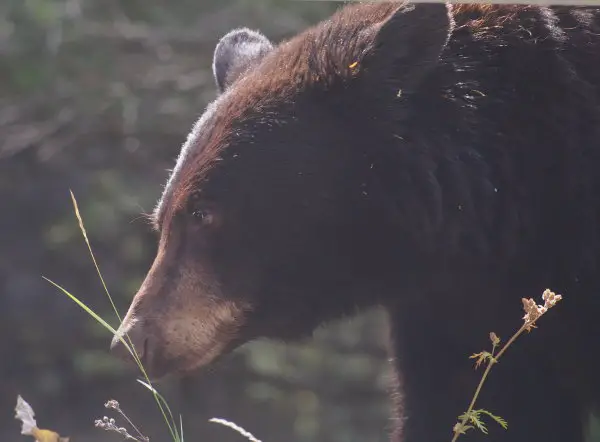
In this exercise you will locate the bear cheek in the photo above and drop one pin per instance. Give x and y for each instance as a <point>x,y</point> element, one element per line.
<point>180,322</point>
<point>199,333</point>
<point>197,322</point>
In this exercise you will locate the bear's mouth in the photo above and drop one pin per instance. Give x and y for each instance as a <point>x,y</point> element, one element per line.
<point>152,365</point>
<point>156,367</point>
<point>179,346</point>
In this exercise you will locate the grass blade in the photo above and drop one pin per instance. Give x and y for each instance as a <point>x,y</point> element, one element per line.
<point>160,400</point>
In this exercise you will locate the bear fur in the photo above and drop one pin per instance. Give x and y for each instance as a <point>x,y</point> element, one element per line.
<point>439,160</point>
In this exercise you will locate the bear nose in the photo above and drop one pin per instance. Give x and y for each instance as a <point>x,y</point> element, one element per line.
<point>132,335</point>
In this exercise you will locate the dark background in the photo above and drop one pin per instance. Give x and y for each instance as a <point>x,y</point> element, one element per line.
<point>97,96</point>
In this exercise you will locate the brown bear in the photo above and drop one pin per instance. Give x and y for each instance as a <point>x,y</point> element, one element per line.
<point>439,160</point>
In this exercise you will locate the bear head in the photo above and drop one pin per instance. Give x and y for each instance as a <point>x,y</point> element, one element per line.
<point>272,220</point>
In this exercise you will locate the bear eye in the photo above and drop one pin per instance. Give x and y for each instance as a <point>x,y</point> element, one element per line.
<point>200,210</point>
<point>203,216</point>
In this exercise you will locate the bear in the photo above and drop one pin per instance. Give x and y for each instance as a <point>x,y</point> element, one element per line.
<point>439,160</point>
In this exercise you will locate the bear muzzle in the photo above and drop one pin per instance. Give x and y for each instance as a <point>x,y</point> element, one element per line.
<point>143,343</point>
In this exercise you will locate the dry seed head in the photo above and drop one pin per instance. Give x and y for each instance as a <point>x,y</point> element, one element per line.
<point>533,311</point>
<point>550,298</point>
<point>109,425</point>
<point>112,404</point>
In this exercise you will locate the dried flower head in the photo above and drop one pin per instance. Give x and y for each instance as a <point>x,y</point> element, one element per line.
<point>109,424</point>
<point>550,298</point>
<point>533,311</point>
<point>494,338</point>
<point>112,404</point>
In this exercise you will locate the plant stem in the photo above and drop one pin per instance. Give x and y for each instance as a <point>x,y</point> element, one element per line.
<point>142,437</point>
<point>492,361</point>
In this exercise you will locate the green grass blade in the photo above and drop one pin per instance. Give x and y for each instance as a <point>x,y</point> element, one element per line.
<point>181,428</point>
<point>172,426</point>
<point>160,400</point>
<point>87,241</point>
<point>83,306</point>
<point>158,397</point>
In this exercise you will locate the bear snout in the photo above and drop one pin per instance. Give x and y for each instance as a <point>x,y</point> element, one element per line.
<point>137,339</point>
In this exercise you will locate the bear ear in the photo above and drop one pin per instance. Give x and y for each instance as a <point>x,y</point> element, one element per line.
<point>410,40</point>
<point>236,52</point>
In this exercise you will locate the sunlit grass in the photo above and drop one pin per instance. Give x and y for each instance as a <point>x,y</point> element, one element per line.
<point>175,428</point>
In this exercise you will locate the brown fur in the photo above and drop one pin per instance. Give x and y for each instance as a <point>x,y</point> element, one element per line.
<point>209,323</point>
<point>296,66</point>
<point>304,62</point>
<point>429,164</point>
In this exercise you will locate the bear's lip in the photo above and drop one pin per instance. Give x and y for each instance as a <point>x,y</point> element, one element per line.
<point>158,364</point>
<point>159,367</point>
<point>155,368</point>
<point>155,375</point>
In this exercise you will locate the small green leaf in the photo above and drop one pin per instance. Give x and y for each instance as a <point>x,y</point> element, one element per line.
<point>498,419</point>
<point>481,357</point>
<point>478,422</point>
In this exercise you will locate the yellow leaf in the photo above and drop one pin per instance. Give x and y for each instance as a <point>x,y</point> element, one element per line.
<point>46,436</point>
<point>26,415</point>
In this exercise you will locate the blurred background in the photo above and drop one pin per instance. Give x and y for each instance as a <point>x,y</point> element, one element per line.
<point>97,96</point>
